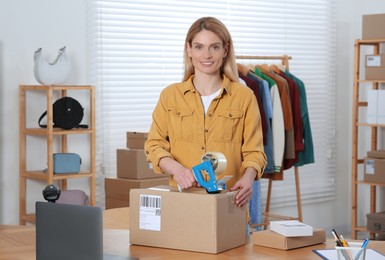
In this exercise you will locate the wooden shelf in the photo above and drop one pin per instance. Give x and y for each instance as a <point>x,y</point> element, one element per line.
<point>360,107</point>
<point>50,132</point>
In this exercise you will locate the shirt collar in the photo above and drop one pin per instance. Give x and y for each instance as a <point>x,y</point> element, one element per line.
<point>188,85</point>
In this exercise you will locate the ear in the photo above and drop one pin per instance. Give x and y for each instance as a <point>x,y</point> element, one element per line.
<point>226,50</point>
<point>188,48</point>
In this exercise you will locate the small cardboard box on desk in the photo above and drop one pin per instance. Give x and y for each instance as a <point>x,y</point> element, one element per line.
<point>288,235</point>
<point>191,220</point>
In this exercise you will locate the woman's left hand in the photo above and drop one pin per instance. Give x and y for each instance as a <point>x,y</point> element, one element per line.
<point>244,185</point>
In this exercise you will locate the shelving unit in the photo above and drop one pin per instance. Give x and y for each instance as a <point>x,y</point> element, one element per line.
<point>359,108</point>
<point>52,136</point>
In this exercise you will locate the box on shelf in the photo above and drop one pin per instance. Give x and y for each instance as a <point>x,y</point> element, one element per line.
<point>132,164</point>
<point>136,140</point>
<point>375,67</point>
<point>117,190</point>
<point>376,154</point>
<point>372,26</point>
<point>291,228</point>
<point>192,220</point>
<point>269,238</point>
<point>376,222</point>
<point>374,170</point>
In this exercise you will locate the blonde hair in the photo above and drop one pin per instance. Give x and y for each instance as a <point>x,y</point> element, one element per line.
<point>212,24</point>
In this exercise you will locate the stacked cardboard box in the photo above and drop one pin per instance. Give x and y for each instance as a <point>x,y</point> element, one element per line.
<point>133,171</point>
<point>375,167</point>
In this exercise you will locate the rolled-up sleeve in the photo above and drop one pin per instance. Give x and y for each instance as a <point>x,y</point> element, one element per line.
<point>252,148</point>
<point>157,145</point>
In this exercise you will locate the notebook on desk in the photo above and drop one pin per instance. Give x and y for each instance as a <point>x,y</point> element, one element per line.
<point>65,231</point>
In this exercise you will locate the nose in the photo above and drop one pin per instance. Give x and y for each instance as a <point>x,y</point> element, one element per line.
<point>207,53</point>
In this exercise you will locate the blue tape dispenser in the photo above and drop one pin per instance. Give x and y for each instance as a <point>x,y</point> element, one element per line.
<point>212,164</point>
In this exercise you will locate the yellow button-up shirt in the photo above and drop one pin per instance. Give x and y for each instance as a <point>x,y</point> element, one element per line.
<point>232,126</point>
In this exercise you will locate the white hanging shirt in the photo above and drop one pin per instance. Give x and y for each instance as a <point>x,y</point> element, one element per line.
<point>206,100</point>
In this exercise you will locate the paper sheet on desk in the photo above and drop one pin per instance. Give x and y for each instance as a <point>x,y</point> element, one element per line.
<point>331,254</point>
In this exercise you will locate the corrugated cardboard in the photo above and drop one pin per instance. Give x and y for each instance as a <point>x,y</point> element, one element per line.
<point>376,222</point>
<point>136,140</point>
<point>192,220</point>
<point>272,239</point>
<point>372,26</point>
<point>375,67</point>
<point>118,190</point>
<point>376,154</point>
<point>132,164</point>
<point>374,170</point>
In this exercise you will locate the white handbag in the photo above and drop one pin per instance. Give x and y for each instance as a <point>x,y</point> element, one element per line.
<point>51,73</point>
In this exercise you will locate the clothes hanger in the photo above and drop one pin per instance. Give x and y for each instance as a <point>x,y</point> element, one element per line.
<point>243,69</point>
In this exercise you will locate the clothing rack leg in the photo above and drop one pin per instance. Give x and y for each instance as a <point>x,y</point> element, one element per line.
<point>299,204</point>
<point>269,196</point>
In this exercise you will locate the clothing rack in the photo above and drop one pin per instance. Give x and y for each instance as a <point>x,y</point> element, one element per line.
<point>267,216</point>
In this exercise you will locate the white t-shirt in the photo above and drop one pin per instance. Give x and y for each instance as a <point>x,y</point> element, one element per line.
<point>206,100</point>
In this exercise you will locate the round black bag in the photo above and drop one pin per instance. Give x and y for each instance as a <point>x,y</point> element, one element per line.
<point>67,113</point>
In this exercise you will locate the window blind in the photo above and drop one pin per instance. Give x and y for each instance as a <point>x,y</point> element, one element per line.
<point>136,50</point>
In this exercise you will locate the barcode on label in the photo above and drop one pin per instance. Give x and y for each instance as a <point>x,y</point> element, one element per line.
<point>150,201</point>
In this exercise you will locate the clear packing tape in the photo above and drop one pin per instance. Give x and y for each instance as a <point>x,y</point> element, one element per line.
<point>217,160</point>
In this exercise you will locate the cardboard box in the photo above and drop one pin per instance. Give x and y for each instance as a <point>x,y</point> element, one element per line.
<point>192,220</point>
<point>376,154</point>
<point>117,190</point>
<point>269,238</point>
<point>132,164</point>
<point>376,222</point>
<point>136,140</point>
<point>374,170</point>
<point>375,67</point>
<point>372,26</point>
<point>291,228</point>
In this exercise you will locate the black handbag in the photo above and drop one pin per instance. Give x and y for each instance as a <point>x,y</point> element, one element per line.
<point>67,114</point>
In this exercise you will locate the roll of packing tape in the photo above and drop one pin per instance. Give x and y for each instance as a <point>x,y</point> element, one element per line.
<point>218,161</point>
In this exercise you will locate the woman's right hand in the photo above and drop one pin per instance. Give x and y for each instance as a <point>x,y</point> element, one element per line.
<point>185,178</point>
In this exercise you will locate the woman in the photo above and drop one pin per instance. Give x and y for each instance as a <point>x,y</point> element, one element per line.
<point>209,111</point>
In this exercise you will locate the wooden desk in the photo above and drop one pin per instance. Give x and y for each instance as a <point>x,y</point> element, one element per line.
<point>18,243</point>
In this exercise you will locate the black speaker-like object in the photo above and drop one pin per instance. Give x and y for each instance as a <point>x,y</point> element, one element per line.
<point>51,193</point>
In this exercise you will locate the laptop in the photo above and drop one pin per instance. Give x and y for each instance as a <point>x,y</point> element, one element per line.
<point>70,232</point>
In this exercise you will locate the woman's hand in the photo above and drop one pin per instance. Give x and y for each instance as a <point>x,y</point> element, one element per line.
<point>182,175</point>
<point>245,187</point>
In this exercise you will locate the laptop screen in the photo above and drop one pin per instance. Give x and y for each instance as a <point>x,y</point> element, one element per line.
<point>65,231</point>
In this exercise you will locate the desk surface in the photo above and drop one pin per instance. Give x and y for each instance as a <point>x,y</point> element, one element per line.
<point>18,242</point>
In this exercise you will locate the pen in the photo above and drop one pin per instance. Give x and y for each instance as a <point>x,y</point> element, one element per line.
<point>344,243</point>
<point>364,244</point>
<point>366,241</point>
<point>337,238</point>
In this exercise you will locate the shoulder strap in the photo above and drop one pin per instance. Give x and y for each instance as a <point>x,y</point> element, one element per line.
<point>45,126</point>
<point>41,117</point>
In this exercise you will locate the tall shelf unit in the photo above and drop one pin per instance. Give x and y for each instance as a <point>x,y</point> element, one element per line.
<point>358,108</point>
<point>52,136</point>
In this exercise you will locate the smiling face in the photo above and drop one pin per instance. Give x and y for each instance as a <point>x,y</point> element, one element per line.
<point>207,52</point>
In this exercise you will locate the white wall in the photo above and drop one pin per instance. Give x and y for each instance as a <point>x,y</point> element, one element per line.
<point>27,25</point>
<point>24,27</point>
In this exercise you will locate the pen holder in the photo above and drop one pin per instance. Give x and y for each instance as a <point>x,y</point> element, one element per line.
<point>353,252</point>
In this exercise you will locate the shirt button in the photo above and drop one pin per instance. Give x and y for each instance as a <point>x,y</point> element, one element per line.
<point>206,130</point>
<point>202,148</point>
<point>209,115</point>
<point>230,115</point>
